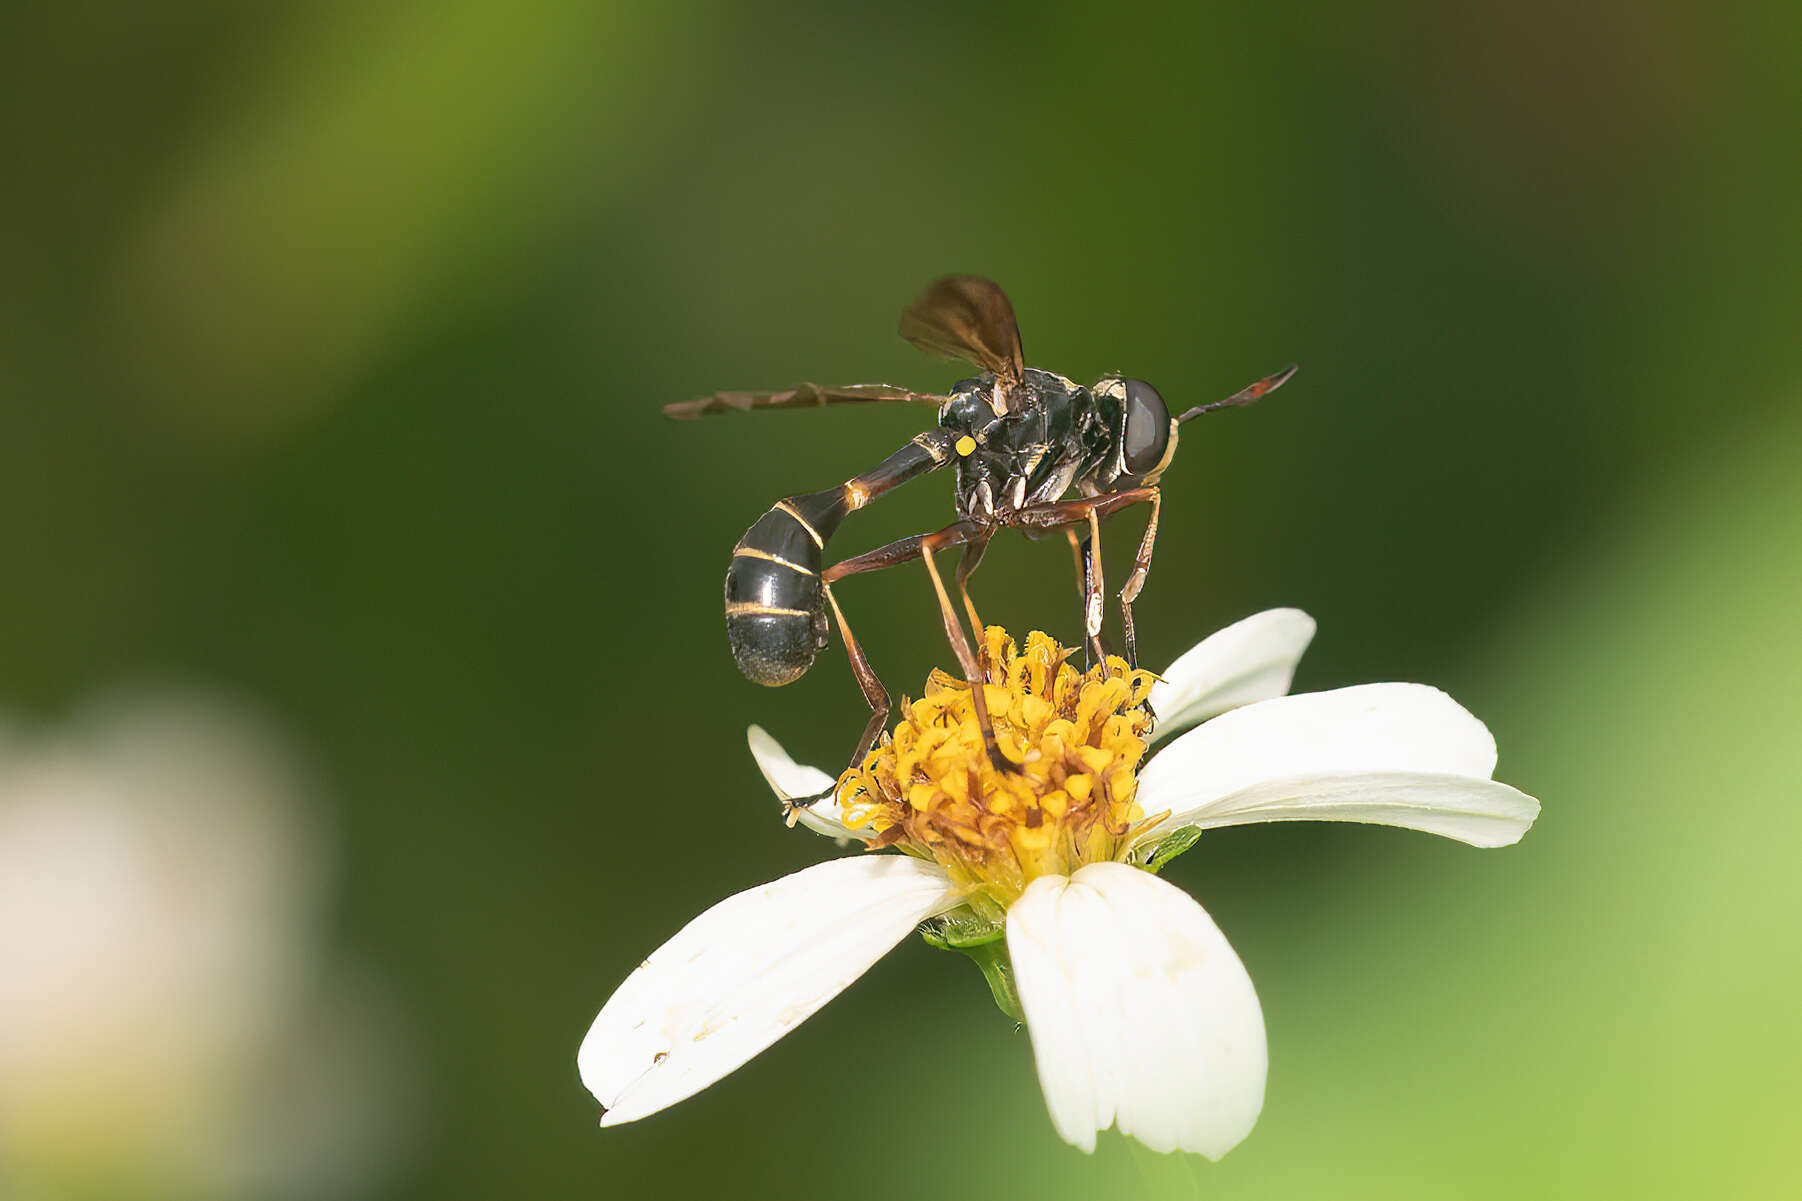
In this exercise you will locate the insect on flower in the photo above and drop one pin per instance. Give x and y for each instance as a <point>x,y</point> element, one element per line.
<point>1022,439</point>
<point>1140,1014</point>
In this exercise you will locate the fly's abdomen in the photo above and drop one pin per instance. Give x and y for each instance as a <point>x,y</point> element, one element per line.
<point>775,611</point>
<point>775,602</point>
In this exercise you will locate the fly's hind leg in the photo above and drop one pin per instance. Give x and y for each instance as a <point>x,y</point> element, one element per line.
<point>874,692</point>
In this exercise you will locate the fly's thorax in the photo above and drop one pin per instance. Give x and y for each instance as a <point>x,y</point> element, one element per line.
<point>929,788</point>
<point>1029,454</point>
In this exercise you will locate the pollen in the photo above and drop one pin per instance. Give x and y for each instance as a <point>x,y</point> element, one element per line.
<point>929,787</point>
<point>966,445</point>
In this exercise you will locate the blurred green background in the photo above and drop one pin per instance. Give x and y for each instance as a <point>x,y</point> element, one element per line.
<point>332,340</point>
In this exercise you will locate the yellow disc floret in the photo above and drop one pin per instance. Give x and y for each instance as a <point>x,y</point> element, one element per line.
<point>929,787</point>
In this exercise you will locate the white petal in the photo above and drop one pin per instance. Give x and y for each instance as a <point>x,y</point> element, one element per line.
<point>1140,1013</point>
<point>1370,728</point>
<point>1250,660</point>
<point>745,973</point>
<point>1470,809</point>
<point>789,780</point>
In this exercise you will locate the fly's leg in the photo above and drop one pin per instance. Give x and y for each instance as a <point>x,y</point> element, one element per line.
<point>1129,592</point>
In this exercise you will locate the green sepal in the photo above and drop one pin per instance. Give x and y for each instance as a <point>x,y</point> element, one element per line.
<point>960,930</point>
<point>1171,847</point>
<point>992,958</point>
<point>983,941</point>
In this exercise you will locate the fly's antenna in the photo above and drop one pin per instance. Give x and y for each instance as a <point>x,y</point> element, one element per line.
<point>1244,396</point>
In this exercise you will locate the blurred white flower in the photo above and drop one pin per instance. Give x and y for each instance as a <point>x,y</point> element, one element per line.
<point>1140,1014</point>
<point>166,1017</point>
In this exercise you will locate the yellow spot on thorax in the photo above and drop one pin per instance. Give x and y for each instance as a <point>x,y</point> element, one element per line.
<point>929,788</point>
<point>966,445</point>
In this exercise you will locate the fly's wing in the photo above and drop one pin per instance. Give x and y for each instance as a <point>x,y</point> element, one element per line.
<point>967,317</point>
<point>801,396</point>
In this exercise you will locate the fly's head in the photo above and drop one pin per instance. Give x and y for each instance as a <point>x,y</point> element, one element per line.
<point>1141,428</point>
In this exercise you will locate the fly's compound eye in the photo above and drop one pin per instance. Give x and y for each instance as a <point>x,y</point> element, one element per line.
<point>1147,433</point>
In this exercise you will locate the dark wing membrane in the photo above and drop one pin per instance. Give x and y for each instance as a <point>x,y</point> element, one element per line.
<point>801,396</point>
<point>967,317</point>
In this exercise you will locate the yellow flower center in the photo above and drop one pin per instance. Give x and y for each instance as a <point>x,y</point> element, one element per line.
<point>929,788</point>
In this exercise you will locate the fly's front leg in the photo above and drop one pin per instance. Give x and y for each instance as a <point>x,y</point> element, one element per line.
<point>1089,510</point>
<point>1129,591</point>
<point>1092,606</point>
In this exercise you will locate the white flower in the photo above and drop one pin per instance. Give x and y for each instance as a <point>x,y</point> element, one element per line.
<point>1140,1014</point>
